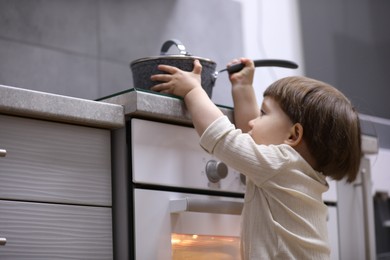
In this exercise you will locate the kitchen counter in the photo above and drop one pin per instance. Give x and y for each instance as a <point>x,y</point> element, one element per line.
<point>41,105</point>
<point>155,106</point>
<point>55,161</point>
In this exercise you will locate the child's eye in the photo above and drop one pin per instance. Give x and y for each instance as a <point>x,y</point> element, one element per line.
<point>262,113</point>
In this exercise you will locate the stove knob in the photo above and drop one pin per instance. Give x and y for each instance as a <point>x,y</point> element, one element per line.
<point>216,171</point>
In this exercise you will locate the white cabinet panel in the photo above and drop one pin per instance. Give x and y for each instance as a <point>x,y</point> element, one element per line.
<point>54,162</point>
<point>333,233</point>
<point>51,231</point>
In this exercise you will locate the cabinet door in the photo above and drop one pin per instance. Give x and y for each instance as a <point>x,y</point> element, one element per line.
<point>54,162</point>
<point>53,231</point>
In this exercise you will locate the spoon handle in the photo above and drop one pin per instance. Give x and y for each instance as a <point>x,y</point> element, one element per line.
<point>264,63</point>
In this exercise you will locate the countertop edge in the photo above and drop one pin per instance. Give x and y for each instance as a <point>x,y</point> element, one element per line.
<point>156,106</point>
<point>47,106</point>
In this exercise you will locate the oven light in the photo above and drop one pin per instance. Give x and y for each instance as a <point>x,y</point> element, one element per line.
<point>175,241</point>
<point>194,246</point>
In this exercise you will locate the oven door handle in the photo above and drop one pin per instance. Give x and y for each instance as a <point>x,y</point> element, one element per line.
<point>206,206</point>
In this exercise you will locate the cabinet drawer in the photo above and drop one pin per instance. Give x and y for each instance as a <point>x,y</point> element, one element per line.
<point>54,162</point>
<point>51,231</point>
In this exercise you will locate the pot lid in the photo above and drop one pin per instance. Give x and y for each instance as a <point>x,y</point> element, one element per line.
<point>184,54</point>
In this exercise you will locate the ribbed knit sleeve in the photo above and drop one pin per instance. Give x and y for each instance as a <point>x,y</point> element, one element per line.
<point>240,152</point>
<point>215,132</point>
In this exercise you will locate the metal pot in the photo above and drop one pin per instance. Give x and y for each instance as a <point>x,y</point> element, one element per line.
<point>143,68</point>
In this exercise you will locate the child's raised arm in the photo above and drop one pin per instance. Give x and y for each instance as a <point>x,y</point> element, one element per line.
<point>245,103</point>
<point>187,85</point>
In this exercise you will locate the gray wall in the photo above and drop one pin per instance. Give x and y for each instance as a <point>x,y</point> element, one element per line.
<point>347,44</point>
<point>83,48</point>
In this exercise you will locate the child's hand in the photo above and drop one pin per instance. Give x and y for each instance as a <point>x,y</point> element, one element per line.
<point>177,81</point>
<point>245,76</point>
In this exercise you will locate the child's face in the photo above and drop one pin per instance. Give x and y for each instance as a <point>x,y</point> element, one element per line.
<point>273,126</point>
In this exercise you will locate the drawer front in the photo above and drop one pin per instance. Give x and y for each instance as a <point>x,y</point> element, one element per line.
<point>54,162</point>
<point>50,231</point>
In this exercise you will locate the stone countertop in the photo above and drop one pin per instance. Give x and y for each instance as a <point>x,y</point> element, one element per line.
<point>155,106</point>
<point>41,105</point>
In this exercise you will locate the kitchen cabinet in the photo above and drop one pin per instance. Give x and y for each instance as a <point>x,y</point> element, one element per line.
<point>55,190</point>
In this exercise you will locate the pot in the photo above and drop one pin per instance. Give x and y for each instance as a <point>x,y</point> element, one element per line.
<point>143,68</point>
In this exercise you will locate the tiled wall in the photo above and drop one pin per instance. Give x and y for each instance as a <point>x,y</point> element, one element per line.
<point>83,48</point>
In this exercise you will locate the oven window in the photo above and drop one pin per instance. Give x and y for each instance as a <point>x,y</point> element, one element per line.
<point>189,246</point>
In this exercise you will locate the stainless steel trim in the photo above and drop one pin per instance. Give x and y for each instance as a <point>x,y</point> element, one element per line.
<point>206,206</point>
<point>3,152</point>
<point>3,241</point>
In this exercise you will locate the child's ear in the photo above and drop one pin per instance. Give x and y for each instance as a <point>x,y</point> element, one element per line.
<point>296,135</point>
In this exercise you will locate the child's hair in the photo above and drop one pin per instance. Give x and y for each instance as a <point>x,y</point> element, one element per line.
<point>331,126</point>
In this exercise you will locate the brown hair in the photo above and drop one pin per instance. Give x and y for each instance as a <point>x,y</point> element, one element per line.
<point>331,126</point>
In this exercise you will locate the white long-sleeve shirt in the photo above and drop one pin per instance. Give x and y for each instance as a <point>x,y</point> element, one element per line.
<point>284,216</point>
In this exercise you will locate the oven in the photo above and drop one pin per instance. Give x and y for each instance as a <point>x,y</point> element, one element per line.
<point>185,204</point>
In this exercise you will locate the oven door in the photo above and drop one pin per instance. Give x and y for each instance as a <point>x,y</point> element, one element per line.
<point>171,225</point>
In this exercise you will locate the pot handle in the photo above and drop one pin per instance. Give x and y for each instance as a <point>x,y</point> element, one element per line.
<point>165,47</point>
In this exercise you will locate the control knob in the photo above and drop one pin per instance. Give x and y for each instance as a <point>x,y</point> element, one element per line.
<point>216,171</point>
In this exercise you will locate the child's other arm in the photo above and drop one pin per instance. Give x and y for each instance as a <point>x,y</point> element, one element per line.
<point>244,97</point>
